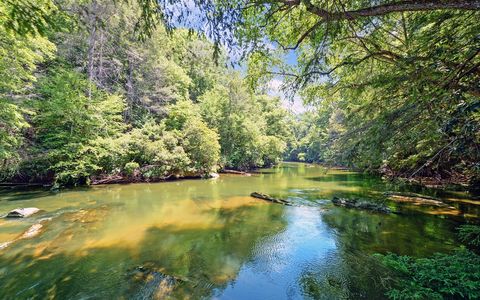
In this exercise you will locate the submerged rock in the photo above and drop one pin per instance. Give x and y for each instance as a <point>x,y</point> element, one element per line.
<point>358,204</point>
<point>417,199</point>
<point>34,230</point>
<point>149,282</point>
<point>270,198</point>
<point>31,232</point>
<point>22,212</point>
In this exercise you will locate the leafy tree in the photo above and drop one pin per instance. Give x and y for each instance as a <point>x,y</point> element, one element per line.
<point>67,119</point>
<point>19,57</point>
<point>200,142</point>
<point>403,76</point>
<point>251,127</point>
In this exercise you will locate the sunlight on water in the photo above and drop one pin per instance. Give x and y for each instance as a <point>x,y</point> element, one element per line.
<point>209,239</point>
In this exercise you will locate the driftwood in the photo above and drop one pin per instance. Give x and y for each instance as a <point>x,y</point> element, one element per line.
<point>227,171</point>
<point>110,179</point>
<point>408,194</point>
<point>358,204</point>
<point>270,198</point>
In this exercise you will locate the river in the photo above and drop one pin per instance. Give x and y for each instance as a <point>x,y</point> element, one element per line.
<point>192,239</point>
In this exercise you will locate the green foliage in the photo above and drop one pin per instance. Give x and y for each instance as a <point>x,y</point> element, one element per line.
<point>72,113</point>
<point>180,113</point>
<point>130,168</point>
<point>406,83</point>
<point>442,276</point>
<point>202,147</point>
<point>19,57</point>
<point>28,16</point>
<point>252,128</point>
<point>470,235</point>
<point>12,124</point>
<point>110,104</point>
<point>74,110</point>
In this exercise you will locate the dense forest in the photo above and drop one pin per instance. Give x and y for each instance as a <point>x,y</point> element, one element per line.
<point>96,101</point>
<point>103,89</point>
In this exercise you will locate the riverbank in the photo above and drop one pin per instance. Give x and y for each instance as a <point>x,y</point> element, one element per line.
<point>126,179</point>
<point>455,181</point>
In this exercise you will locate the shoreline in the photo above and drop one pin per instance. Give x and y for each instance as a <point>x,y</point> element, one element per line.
<point>424,181</point>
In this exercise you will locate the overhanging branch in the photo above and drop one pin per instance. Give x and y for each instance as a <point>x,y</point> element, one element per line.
<point>384,9</point>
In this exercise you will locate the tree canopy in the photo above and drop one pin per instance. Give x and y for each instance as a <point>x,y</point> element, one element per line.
<point>394,85</point>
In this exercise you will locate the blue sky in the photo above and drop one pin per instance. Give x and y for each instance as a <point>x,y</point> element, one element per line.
<point>275,85</point>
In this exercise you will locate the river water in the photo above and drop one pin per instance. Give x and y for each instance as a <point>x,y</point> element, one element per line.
<point>193,239</point>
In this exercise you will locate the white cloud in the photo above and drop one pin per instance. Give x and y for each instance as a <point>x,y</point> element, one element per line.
<point>275,89</point>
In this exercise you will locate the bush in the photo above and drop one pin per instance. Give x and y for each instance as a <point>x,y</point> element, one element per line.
<point>443,276</point>
<point>202,147</point>
<point>130,167</point>
<point>470,235</point>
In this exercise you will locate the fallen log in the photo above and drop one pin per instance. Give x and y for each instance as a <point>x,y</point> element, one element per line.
<point>227,171</point>
<point>358,204</point>
<point>110,180</point>
<point>270,198</point>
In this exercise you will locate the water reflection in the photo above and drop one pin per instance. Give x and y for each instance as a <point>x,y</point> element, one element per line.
<point>209,239</point>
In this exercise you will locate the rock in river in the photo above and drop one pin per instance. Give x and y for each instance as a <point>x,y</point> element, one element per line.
<point>357,204</point>
<point>149,282</point>
<point>22,212</point>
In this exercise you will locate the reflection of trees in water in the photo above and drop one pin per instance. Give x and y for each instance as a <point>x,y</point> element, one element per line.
<point>354,273</point>
<point>415,235</point>
<point>211,258</point>
<point>350,275</point>
<point>208,258</point>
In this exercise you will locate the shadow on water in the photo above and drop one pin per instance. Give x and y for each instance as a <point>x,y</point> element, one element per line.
<point>129,241</point>
<point>65,263</point>
<point>30,193</point>
<point>8,194</point>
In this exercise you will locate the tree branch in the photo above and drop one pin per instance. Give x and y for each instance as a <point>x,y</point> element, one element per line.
<point>384,9</point>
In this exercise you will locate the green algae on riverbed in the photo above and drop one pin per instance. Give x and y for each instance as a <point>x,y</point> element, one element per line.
<point>220,241</point>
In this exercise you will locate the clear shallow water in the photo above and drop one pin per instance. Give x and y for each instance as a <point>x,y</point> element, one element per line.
<point>220,242</point>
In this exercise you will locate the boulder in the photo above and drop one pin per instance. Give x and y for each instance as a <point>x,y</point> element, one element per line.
<point>358,204</point>
<point>22,212</point>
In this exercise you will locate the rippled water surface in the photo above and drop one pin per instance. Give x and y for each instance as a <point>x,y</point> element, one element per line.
<point>209,239</point>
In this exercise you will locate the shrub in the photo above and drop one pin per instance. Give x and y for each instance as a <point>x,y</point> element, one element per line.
<point>443,276</point>
<point>470,234</point>
<point>130,167</point>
